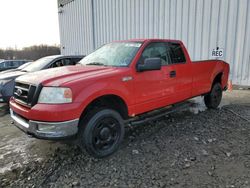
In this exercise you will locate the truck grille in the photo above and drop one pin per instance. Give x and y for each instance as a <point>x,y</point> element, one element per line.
<point>24,93</point>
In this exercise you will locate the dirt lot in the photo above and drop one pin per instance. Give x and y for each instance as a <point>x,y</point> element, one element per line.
<point>192,148</point>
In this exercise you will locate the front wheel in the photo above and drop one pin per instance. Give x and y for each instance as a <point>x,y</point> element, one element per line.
<point>101,132</point>
<point>213,99</point>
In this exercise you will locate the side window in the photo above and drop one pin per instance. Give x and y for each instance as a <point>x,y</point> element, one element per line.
<point>21,63</point>
<point>15,63</point>
<point>9,64</point>
<point>176,53</point>
<point>75,60</point>
<point>67,62</point>
<point>6,64</point>
<point>62,62</point>
<point>156,49</point>
<point>2,65</point>
<point>58,63</point>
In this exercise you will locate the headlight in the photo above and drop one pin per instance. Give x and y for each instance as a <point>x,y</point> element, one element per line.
<point>55,95</point>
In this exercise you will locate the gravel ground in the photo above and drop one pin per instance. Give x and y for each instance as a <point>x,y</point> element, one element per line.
<point>191,148</point>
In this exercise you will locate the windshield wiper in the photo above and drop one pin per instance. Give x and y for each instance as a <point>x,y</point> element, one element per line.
<point>95,63</point>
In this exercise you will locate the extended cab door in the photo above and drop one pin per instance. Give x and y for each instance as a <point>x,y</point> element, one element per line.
<point>154,89</point>
<point>182,72</point>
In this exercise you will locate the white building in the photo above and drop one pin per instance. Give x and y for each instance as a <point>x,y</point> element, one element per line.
<point>203,25</point>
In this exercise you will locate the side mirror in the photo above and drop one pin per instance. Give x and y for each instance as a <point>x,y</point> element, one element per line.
<point>150,64</point>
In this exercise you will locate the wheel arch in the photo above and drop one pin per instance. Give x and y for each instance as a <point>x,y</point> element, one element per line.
<point>112,101</point>
<point>217,78</point>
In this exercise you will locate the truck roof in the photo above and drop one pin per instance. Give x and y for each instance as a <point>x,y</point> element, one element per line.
<point>150,39</point>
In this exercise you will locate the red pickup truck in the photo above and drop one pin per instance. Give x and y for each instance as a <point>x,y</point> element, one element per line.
<point>117,82</point>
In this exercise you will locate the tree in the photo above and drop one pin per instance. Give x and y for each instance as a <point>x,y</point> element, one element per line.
<point>29,53</point>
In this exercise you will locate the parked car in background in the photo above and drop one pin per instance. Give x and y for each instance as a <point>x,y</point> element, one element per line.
<point>18,68</point>
<point>7,79</point>
<point>11,64</point>
<point>24,65</point>
<point>121,82</point>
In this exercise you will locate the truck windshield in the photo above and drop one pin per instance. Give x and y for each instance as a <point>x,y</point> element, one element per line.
<point>117,54</point>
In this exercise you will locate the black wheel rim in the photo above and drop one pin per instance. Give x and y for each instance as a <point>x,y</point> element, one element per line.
<point>106,133</point>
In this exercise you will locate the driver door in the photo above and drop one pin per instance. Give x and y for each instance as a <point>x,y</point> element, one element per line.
<point>150,86</point>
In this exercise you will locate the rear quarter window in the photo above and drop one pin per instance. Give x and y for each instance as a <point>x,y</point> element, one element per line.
<point>176,53</point>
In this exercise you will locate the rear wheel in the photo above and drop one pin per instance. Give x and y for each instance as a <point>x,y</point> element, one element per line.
<point>101,132</point>
<point>213,99</point>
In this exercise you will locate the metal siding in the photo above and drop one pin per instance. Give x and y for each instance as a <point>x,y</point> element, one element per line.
<point>201,24</point>
<point>245,68</point>
<point>76,31</point>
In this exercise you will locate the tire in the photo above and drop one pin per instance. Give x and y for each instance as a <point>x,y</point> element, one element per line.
<point>213,99</point>
<point>101,132</point>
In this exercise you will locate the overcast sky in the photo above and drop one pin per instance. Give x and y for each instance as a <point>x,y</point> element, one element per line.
<point>28,22</point>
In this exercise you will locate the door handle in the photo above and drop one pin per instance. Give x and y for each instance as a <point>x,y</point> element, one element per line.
<point>172,74</point>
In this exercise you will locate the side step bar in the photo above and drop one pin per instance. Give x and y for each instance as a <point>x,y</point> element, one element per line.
<point>156,114</point>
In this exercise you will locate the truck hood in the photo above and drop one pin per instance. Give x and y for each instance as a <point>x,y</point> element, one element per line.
<point>62,75</point>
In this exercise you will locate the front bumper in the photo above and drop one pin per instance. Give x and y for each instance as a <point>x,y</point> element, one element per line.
<point>46,130</point>
<point>48,113</point>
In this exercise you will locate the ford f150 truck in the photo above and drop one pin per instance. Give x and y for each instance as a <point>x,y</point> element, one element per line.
<point>117,82</point>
